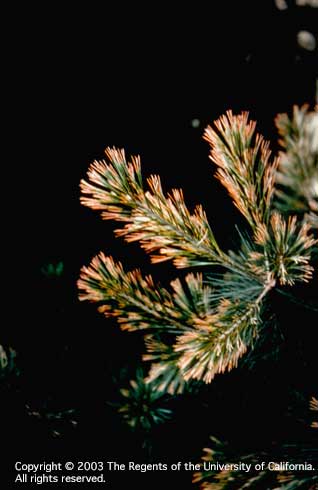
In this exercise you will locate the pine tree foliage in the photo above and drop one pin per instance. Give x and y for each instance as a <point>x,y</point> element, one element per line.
<point>203,324</point>
<point>244,165</point>
<point>141,305</point>
<point>7,362</point>
<point>270,477</point>
<point>142,404</point>
<point>162,224</point>
<point>313,405</point>
<point>297,175</point>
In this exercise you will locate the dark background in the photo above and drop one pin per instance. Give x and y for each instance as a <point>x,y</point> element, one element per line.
<point>133,77</point>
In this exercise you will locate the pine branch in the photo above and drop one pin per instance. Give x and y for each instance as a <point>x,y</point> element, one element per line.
<point>209,338</point>
<point>213,477</point>
<point>137,303</point>
<point>142,406</point>
<point>8,364</point>
<point>165,374</point>
<point>221,339</point>
<point>286,250</point>
<point>241,479</point>
<point>210,325</point>
<point>244,166</point>
<point>313,406</point>
<point>297,174</point>
<point>162,224</point>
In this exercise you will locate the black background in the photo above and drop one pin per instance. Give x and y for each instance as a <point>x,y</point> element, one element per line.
<point>133,77</point>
